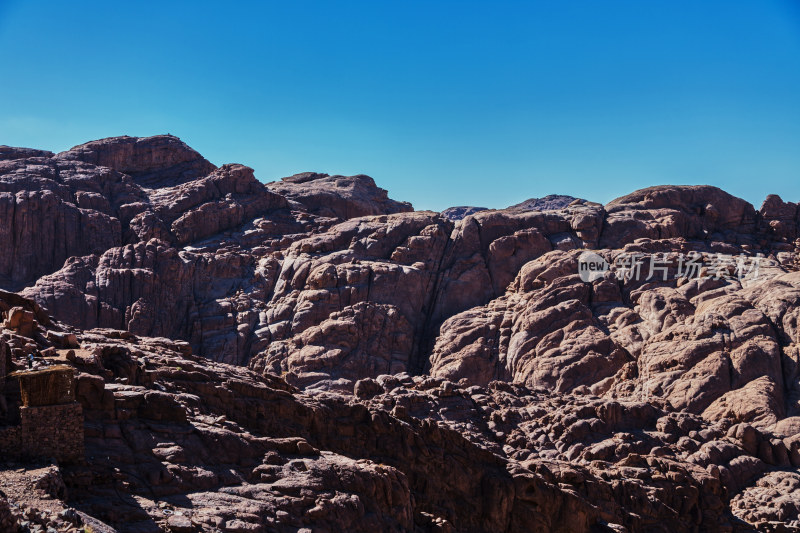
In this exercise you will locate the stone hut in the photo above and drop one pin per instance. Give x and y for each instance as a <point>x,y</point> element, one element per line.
<point>51,421</point>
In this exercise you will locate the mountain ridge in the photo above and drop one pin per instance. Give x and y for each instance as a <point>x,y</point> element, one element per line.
<point>472,337</point>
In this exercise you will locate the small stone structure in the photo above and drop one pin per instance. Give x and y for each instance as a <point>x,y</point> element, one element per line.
<point>54,385</point>
<point>51,420</point>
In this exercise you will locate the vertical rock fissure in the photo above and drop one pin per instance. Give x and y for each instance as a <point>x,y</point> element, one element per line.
<point>419,357</point>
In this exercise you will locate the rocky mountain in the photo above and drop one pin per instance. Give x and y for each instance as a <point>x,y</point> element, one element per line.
<point>551,202</point>
<point>461,211</point>
<point>546,203</point>
<point>311,355</point>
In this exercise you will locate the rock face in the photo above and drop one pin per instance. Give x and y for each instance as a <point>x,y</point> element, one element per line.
<point>155,162</point>
<point>341,197</point>
<point>459,212</point>
<point>546,203</point>
<point>10,152</point>
<point>688,212</point>
<point>311,354</point>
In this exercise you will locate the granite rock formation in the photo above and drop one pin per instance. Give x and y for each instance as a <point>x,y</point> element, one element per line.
<point>311,355</point>
<point>461,211</point>
<point>545,203</point>
<point>342,197</point>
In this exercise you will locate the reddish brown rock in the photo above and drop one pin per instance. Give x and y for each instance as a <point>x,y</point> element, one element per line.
<point>12,152</point>
<point>159,161</point>
<point>314,355</point>
<point>341,197</point>
<point>690,212</point>
<point>781,218</point>
<point>51,211</point>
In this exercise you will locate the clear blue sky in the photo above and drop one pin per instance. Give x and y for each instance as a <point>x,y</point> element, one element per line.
<point>443,103</point>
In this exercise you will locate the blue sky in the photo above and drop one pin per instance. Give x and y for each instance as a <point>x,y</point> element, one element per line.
<point>443,103</point>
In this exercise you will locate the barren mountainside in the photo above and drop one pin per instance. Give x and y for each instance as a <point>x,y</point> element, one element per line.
<point>312,355</point>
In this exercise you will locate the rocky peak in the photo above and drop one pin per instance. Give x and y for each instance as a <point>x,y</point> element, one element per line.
<point>690,211</point>
<point>11,152</point>
<point>341,197</point>
<point>158,161</point>
<point>546,203</point>
<point>461,211</point>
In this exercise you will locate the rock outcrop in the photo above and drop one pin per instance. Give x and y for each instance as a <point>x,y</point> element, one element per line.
<point>461,211</point>
<point>341,197</point>
<point>546,203</point>
<point>159,161</point>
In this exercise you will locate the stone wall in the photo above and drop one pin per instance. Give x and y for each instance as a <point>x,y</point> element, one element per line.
<point>9,440</point>
<point>47,431</point>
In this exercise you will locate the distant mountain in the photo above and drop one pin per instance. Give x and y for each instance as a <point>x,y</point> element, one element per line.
<point>547,203</point>
<point>461,211</point>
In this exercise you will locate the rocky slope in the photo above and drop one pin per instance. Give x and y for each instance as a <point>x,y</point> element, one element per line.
<point>313,355</point>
